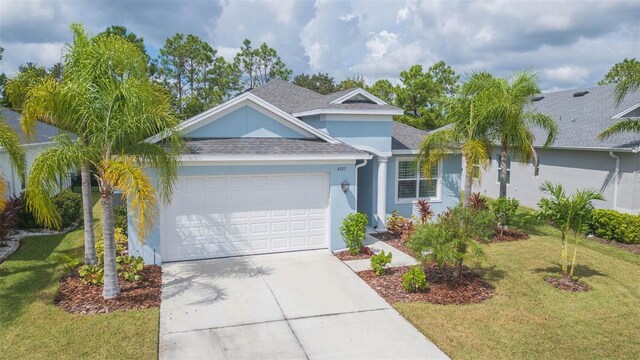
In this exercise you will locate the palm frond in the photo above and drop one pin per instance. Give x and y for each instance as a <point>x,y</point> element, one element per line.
<point>436,146</point>
<point>43,181</point>
<point>628,125</point>
<point>10,142</point>
<point>125,173</point>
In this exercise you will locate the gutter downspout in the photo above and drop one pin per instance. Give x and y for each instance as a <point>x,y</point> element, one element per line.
<point>356,179</point>
<point>616,179</point>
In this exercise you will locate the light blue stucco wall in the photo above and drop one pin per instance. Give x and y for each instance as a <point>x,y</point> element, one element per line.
<point>368,181</point>
<point>245,122</point>
<point>341,204</point>
<point>372,134</point>
<point>451,177</point>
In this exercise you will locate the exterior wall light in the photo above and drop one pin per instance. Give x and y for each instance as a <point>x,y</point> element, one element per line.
<point>345,186</point>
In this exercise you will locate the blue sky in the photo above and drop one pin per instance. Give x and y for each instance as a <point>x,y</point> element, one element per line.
<point>569,43</point>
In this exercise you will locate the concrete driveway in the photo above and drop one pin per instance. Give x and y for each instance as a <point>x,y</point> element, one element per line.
<point>302,305</point>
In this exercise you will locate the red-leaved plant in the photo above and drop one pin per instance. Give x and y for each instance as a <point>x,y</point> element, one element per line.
<point>425,210</point>
<point>9,217</point>
<point>477,202</point>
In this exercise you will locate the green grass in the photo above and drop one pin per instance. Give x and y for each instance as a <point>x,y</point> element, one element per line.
<point>32,327</point>
<point>528,318</point>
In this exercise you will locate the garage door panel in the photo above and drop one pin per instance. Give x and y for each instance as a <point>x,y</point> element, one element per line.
<point>216,216</point>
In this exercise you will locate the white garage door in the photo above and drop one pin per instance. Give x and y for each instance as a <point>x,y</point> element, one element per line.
<point>217,216</point>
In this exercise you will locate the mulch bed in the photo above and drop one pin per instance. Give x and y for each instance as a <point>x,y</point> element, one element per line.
<point>365,254</point>
<point>75,297</point>
<point>634,248</point>
<point>444,288</point>
<point>392,240</point>
<point>508,235</point>
<point>568,285</point>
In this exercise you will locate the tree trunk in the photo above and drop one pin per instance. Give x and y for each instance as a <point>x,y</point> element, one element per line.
<point>564,257</point>
<point>111,288</point>
<point>87,208</point>
<point>468,186</point>
<point>503,171</point>
<point>573,261</point>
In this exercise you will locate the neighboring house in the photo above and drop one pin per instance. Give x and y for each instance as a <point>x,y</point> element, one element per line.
<point>578,159</point>
<point>42,140</point>
<point>279,167</point>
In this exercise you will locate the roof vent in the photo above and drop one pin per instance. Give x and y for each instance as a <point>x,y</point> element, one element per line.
<point>538,98</point>
<point>580,93</point>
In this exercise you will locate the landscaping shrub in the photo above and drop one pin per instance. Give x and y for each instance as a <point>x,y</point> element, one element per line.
<point>120,217</point>
<point>415,280</point>
<point>424,209</point>
<point>69,207</point>
<point>92,274</point>
<point>505,210</point>
<point>130,267</point>
<point>396,224</point>
<point>379,261</point>
<point>352,231</point>
<point>613,225</point>
<point>478,202</point>
<point>9,216</point>
<point>122,243</point>
<point>453,238</point>
<point>408,231</point>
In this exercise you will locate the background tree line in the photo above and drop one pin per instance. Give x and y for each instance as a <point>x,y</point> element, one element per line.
<point>197,78</point>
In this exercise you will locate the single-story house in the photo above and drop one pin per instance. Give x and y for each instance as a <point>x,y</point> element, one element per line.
<point>279,167</point>
<point>43,139</point>
<point>578,159</point>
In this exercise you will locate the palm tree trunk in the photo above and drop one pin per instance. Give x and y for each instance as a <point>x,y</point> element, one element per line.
<point>111,288</point>
<point>503,171</point>
<point>468,185</point>
<point>89,235</point>
<point>564,257</point>
<point>573,261</point>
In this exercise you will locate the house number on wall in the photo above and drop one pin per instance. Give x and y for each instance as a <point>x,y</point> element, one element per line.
<point>342,168</point>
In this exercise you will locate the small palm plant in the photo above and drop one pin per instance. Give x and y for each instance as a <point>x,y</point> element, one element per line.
<point>568,214</point>
<point>10,143</point>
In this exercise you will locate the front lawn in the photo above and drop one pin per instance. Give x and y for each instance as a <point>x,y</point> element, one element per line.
<point>32,327</point>
<point>528,318</point>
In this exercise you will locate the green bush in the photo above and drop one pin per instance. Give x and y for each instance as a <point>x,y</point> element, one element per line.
<point>92,274</point>
<point>505,210</point>
<point>68,205</point>
<point>453,237</point>
<point>378,262</point>
<point>353,232</point>
<point>120,217</point>
<point>613,225</point>
<point>396,224</point>
<point>122,243</point>
<point>415,280</point>
<point>130,267</point>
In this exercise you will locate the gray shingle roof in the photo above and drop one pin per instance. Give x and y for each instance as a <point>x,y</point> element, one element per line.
<point>581,119</point>
<point>293,98</point>
<point>44,132</point>
<point>405,137</point>
<point>261,146</point>
<point>285,95</point>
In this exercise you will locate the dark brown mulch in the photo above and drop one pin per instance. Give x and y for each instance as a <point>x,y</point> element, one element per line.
<point>444,288</point>
<point>569,285</point>
<point>508,235</point>
<point>392,240</point>
<point>634,248</point>
<point>365,254</point>
<point>75,297</point>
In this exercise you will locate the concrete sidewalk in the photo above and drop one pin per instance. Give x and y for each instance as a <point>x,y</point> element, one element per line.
<point>302,305</point>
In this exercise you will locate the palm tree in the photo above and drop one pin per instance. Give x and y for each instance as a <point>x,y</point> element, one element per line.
<point>567,214</point>
<point>467,133</point>
<point>49,102</point>
<point>627,85</point>
<point>119,108</point>
<point>506,103</point>
<point>10,142</point>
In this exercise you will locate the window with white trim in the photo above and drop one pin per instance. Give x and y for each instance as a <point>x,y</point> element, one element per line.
<point>412,184</point>
<point>508,168</point>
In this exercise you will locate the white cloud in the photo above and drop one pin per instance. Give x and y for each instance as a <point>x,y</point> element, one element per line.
<point>567,73</point>
<point>228,53</point>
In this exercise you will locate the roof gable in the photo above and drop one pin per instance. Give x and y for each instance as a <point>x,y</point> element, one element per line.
<point>44,133</point>
<point>248,99</point>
